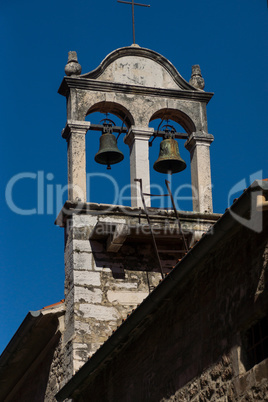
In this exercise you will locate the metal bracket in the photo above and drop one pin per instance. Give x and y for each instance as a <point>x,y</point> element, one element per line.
<point>151,230</point>
<point>149,221</point>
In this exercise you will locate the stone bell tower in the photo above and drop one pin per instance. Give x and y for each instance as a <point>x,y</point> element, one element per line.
<point>110,261</point>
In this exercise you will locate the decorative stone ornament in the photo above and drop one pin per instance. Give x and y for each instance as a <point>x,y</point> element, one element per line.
<point>72,67</point>
<point>196,79</point>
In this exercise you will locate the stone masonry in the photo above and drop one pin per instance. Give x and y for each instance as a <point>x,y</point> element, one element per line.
<point>138,86</point>
<point>110,262</point>
<point>108,274</point>
<point>192,349</point>
<point>99,292</point>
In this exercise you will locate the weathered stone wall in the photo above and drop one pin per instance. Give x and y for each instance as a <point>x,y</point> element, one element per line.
<point>43,379</point>
<point>99,290</point>
<point>56,374</point>
<point>192,350</point>
<point>214,384</point>
<point>221,383</point>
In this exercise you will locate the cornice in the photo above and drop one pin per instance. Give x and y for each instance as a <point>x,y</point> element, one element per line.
<point>138,133</point>
<point>80,127</point>
<point>86,84</point>
<point>201,138</point>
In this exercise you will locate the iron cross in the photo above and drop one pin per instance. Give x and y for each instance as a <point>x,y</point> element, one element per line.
<point>133,20</point>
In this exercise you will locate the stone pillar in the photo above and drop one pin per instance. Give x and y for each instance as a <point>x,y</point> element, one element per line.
<point>138,141</point>
<point>82,290</point>
<point>198,145</point>
<point>99,289</point>
<point>74,133</point>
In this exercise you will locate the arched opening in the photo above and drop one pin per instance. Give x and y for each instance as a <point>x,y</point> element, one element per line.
<point>177,116</point>
<point>180,183</point>
<point>115,181</point>
<point>113,108</point>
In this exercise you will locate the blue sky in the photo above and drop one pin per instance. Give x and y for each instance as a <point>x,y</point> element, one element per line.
<point>227,38</point>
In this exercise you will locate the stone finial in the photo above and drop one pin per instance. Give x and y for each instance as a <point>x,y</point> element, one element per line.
<point>72,67</point>
<point>196,79</point>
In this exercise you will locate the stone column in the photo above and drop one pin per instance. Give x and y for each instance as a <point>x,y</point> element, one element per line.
<point>74,133</point>
<point>198,145</point>
<point>97,297</point>
<point>138,141</point>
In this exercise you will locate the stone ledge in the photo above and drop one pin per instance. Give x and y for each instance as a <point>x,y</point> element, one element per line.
<point>126,212</point>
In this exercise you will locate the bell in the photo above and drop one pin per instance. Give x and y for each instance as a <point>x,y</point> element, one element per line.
<point>108,153</point>
<point>169,160</point>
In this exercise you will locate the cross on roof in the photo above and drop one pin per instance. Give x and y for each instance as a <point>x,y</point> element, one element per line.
<point>133,20</point>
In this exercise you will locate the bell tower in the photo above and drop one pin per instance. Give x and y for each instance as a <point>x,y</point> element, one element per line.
<point>138,85</point>
<point>110,250</point>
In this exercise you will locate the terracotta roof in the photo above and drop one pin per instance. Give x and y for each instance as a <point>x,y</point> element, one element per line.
<point>53,305</point>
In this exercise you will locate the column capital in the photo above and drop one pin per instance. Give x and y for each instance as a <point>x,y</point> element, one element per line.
<point>80,127</point>
<point>138,133</point>
<point>200,138</point>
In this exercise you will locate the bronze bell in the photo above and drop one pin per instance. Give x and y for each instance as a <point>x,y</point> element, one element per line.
<point>169,160</point>
<point>108,153</point>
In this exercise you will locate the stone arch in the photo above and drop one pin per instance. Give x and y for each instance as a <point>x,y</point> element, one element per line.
<point>176,115</point>
<point>113,108</point>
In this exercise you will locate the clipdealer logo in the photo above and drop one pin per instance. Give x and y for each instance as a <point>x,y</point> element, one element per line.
<point>49,197</point>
